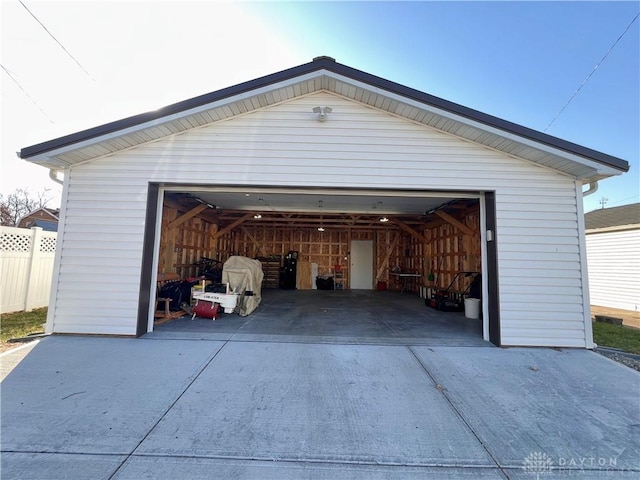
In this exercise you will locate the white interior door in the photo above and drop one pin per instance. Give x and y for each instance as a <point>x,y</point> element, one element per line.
<point>361,265</point>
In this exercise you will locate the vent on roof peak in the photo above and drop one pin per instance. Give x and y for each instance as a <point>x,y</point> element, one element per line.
<point>324,57</point>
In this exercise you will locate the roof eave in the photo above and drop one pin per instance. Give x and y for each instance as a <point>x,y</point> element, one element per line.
<point>614,228</point>
<point>175,108</point>
<point>38,153</point>
<point>480,117</point>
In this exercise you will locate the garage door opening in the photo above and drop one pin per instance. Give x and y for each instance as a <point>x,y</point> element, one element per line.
<point>345,316</point>
<point>421,243</point>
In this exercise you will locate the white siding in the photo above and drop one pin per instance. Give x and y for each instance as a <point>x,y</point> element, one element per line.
<point>614,269</point>
<point>284,145</point>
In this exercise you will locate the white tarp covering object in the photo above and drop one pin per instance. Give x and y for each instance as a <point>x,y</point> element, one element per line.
<point>244,276</point>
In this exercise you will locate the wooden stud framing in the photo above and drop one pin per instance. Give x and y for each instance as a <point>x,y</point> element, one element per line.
<point>385,263</point>
<point>445,245</point>
<point>408,229</point>
<point>456,223</point>
<point>230,227</point>
<point>190,214</point>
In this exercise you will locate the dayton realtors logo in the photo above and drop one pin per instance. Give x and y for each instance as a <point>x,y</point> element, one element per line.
<point>537,463</point>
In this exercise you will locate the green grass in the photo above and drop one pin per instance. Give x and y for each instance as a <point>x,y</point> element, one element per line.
<point>624,338</point>
<point>21,324</point>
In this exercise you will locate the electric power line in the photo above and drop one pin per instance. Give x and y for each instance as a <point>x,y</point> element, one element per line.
<point>625,199</point>
<point>26,93</point>
<point>56,40</point>
<point>592,72</point>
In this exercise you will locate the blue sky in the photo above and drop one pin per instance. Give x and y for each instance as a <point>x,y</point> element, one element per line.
<point>520,61</point>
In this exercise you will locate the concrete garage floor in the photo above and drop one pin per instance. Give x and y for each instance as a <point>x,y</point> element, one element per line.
<point>164,407</point>
<point>335,316</point>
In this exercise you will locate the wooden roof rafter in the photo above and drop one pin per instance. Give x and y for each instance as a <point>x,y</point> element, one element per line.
<point>233,225</point>
<point>226,219</point>
<point>455,222</point>
<point>187,216</point>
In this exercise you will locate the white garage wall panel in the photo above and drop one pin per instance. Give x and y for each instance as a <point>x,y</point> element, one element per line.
<point>614,269</point>
<point>358,146</point>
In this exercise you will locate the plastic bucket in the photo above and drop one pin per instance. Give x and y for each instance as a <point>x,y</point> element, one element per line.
<point>472,308</point>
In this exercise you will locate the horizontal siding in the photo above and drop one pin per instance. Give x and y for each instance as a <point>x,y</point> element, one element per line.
<point>614,269</point>
<point>539,268</point>
<point>79,325</point>
<point>358,146</point>
<point>534,291</point>
<point>533,337</point>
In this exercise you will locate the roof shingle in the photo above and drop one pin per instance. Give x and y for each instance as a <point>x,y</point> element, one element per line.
<point>613,217</point>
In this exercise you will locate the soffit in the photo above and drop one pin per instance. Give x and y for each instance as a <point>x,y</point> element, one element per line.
<point>325,81</point>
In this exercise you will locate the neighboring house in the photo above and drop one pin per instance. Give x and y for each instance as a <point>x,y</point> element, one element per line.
<point>45,218</point>
<point>378,144</point>
<point>613,254</point>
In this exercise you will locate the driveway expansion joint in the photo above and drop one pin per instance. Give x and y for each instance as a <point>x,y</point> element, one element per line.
<point>177,399</point>
<point>447,397</point>
<point>315,460</point>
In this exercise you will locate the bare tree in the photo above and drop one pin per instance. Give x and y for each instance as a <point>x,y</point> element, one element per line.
<point>19,203</point>
<point>5,215</point>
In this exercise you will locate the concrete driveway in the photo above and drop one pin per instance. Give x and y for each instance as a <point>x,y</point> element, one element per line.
<point>86,407</point>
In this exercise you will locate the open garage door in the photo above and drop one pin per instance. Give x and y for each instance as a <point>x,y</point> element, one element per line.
<point>421,241</point>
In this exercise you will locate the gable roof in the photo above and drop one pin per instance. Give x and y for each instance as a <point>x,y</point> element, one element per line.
<point>48,214</point>
<point>46,226</point>
<point>325,74</point>
<point>626,215</point>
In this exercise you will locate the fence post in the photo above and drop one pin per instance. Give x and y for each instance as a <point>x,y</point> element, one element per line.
<point>34,265</point>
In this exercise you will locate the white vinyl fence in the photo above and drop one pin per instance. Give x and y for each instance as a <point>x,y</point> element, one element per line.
<point>26,268</point>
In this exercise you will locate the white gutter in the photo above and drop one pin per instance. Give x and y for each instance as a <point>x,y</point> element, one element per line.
<point>593,186</point>
<point>53,175</point>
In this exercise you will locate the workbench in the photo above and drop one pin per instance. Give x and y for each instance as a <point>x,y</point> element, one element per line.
<point>405,277</point>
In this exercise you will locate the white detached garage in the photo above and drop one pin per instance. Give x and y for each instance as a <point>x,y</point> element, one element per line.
<point>613,251</point>
<point>271,145</point>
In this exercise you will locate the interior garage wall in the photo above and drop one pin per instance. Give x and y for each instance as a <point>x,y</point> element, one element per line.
<point>451,250</point>
<point>539,255</point>
<point>183,245</point>
<point>326,248</point>
<point>446,251</point>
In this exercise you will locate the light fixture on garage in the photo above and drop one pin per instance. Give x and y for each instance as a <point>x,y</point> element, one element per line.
<point>322,111</point>
<point>257,216</point>
<point>321,229</point>
<point>384,219</point>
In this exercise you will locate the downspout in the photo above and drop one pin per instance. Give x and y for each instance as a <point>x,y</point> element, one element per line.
<point>53,175</point>
<point>586,305</point>
<point>593,186</point>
